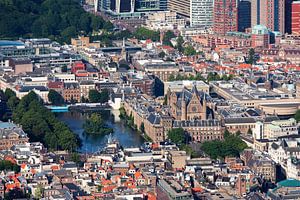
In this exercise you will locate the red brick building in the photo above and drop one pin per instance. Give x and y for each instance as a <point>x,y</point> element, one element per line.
<point>296,18</point>
<point>225,16</point>
<point>77,66</point>
<point>260,36</point>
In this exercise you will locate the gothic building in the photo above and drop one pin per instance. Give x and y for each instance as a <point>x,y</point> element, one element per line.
<point>189,105</point>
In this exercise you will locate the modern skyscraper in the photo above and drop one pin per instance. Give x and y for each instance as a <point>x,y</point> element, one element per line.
<point>201,13</point>
<point>225,16</point>
<point>270,13</point>
<point>181,7</point>
<point>288,16</point>
<point>296,18</point>
<point>150,5</point>
<point>117,6</point>
<point>244,15</point>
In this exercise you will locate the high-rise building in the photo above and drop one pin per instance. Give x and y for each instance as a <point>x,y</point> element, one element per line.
<point>150,5</point>
<point>225,16</point>
<point>296,18</point>
<point>117,6</point>
<point>244,15</point>
<point>270,13</point>
<point>201,13</point>
<point>102,5</point>
<point>288,16</point>
<point>181,7</point>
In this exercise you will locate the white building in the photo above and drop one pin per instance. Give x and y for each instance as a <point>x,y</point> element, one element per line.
<point>282,150</point>
<point>164,21</point>
<point>201,13</point>
<point>275,129</point>
<point>293,168</point>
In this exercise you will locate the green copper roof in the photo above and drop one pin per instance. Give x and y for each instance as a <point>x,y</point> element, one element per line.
<point>289,183</point>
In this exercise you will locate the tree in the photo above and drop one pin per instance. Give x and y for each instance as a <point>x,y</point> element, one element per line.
<point>59,20</point>
<point>232,145</point>
<point>165,100</point>
<point>142,127</point>
<point>297,116</point>
<point>9,93</point>
<point>64,68</point>
<point>167,38</point>
<point>95,125</point>
<point>75,157</point>
<point>251,57</point>
<point>177,135</point>
<point>42,126</point>
<point>161,54</point>
<point>39,192</point>
<point>179,44</point>
<point>189,51</point>
<point>143,33</point>
<point>94,96</point>
<point>55,98</point>
<point>9,166</point>
<point>104,96</point>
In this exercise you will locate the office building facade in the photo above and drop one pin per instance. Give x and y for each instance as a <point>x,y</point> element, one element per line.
<point>225,16</point>
<point>201,13</point>
<point>181,7</point>
<point>296,18</point>
<point>150,5</point>
<point>270,13</point>
<point>244,15</point>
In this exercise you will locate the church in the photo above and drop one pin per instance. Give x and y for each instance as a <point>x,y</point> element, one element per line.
<point>190,105</point>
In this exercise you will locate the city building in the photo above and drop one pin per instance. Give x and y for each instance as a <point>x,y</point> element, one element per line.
<point>201,13</point>
<point>244,15</point>
<point>232,39</point>
<point>150,5</point>
<point>180,7</point>
<point>201,130</point>
<point>286,189</point>
<point>178,86</point>
<point>161,69</point>
<point>269,101</point>
<point>164,21</point>
<point>293,168</point>
<point>177,159</point>
<point>11,134</point>
<point>225,16</point>
<point>21,65</point>
<point>295,18</point>
<point>188,104</point>
<point>71,92</point>
<point>260,36</point>
<point>270,13</point>
<point>280,128</point>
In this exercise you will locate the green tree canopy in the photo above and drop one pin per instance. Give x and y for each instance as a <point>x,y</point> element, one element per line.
<point>59,20</point>
<point>297,116</point>
<point>95,125</point>
<point>232,145</point>
<point>9,166</point>
<point>167,38</point>
<point>41,125</point>
<point>189,51</point>
<point>94,96</point>
<point>177,135</point>
<point>55,98</point>
<point>179,45</point>
<point>143,33</point>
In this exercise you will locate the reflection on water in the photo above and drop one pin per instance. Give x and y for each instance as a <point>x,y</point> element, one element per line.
<point>126,136</point>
